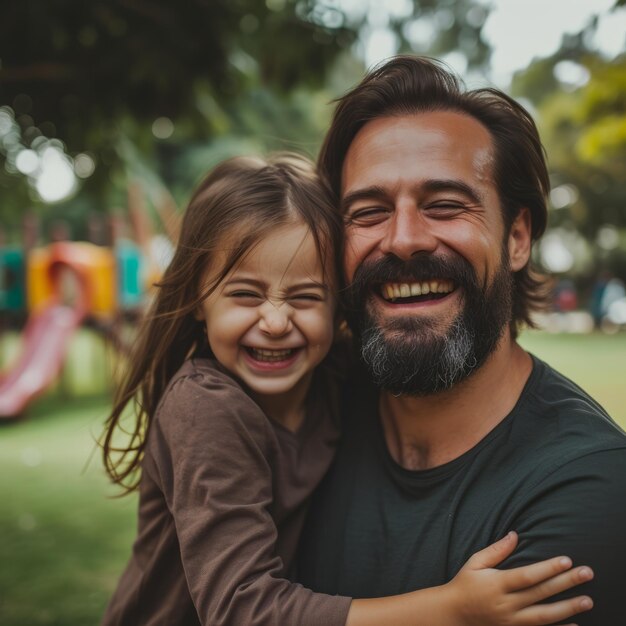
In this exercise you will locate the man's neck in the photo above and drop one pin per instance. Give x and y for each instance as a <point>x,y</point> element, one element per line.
<point>424,432</point>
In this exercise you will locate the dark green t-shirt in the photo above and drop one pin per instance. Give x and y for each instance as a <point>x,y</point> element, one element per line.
<point>554,470</point>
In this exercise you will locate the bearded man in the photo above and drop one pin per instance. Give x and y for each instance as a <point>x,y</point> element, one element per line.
<point>453,434</point>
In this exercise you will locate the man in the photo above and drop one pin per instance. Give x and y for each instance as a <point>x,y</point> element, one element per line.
<point>463,436</point>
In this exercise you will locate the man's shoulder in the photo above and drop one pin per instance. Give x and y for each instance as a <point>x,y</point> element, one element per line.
<point>555,401</point>
<point>556,424</point>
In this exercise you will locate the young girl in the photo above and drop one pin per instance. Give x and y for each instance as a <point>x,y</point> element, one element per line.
<point>235,425</point>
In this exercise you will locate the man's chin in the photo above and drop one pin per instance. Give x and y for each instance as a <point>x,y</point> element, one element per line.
<point>403,324</point>
<point>425,346</point>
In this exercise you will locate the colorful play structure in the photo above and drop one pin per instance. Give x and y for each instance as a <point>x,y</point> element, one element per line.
<point>49,291</point>
<point>59,287</point>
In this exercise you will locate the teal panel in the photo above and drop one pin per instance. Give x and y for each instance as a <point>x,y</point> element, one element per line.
<point>129,275</point>
<point>12,280</point>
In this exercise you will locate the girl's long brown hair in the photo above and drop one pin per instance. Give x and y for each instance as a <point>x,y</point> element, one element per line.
<point>240,201</point>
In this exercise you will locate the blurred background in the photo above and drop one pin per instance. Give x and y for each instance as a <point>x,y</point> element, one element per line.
<point>110,113</point>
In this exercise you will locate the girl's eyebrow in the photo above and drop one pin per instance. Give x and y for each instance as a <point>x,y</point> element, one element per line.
<point>307,285</point>
<point>259,284</point>
<point>253,282</point>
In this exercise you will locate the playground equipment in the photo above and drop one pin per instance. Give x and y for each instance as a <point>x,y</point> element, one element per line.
<point>12,280</point>
<point>92,266</point>
<point>63,284</point>
<point>45,342</point>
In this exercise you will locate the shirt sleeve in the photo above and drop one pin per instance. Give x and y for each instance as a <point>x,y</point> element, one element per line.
<point>212,450</point>
<point>580,511</point>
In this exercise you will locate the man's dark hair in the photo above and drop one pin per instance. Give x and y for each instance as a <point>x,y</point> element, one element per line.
<point>407,85</point>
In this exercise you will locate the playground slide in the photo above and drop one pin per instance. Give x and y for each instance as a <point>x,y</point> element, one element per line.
<point>45,342</point>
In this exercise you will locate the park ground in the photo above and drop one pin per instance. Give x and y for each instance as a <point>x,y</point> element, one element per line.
<point>65,538</point>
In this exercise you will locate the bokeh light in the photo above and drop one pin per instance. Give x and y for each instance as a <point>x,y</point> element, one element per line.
<point>608,237</point>
<point>162,128</point>
<point>563,196</point>
<point>56,180</point>
<point>84,165</point>
<point>27,162</point>
<point>571,75</point>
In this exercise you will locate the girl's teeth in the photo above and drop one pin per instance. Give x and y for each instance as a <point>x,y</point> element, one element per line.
<point>270,355</point>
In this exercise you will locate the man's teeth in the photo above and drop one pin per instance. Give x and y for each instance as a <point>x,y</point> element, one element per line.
<point>393,291</point>
<point>261,354</point>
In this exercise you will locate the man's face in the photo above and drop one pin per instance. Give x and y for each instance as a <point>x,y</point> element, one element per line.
<point>426,254</point>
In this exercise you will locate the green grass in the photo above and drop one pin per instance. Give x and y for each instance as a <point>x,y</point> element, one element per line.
<point>596,362</point>
<point>64,540</point>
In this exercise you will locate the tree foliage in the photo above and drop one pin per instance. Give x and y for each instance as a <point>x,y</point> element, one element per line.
<point>584,129</point>
<point>580,98</point>
<point>74,65</point>
<point>230,76</point>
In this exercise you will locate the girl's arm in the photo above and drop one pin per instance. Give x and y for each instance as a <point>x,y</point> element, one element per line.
<point>213,454</point>
<point>482,596</point>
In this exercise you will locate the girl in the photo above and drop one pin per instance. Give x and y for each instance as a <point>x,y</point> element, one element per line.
<point>235,424</point>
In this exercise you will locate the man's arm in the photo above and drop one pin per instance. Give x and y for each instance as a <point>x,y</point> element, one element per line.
<point>580,511</point>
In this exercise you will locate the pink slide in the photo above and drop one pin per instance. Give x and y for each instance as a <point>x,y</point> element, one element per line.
<point>45,342</point>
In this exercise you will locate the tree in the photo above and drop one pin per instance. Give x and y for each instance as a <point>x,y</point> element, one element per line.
<point>584,129</point>
<point>80,65</point>
<point>580,98</point>
<point>150,79</point>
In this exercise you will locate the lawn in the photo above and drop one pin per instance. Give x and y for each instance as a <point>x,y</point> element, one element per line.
<point>596,362</point>
<point>65,540</point>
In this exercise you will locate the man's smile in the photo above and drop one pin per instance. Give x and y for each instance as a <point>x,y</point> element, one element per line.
<point>416,291</point>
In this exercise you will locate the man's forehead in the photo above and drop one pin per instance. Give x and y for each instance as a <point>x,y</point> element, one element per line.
<point>435,144</point>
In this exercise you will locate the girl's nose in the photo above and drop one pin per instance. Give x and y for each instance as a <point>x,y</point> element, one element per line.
<point>275,320</point>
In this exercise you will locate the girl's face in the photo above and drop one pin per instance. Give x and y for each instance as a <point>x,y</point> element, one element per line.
<point>270,321</point>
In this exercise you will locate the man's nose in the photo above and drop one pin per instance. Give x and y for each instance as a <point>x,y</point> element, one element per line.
<point>408,233</point>
<point>275,319</point>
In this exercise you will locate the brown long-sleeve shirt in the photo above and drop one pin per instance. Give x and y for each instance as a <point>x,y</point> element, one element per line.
<point>223,496</point>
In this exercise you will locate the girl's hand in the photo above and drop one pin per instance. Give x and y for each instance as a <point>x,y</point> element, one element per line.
<point>483,596</point>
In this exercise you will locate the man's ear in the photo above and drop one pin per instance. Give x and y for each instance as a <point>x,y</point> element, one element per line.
<point>519,240</point>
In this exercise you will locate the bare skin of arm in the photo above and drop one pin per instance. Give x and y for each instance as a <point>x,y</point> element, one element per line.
<point>480,595</point>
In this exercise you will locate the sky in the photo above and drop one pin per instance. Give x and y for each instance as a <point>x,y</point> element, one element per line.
<point>518,30</point>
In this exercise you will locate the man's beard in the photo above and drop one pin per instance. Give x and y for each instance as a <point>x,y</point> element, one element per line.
<point>411,355</point>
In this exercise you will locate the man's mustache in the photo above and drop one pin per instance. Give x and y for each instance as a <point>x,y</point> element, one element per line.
<point>391,269</point>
